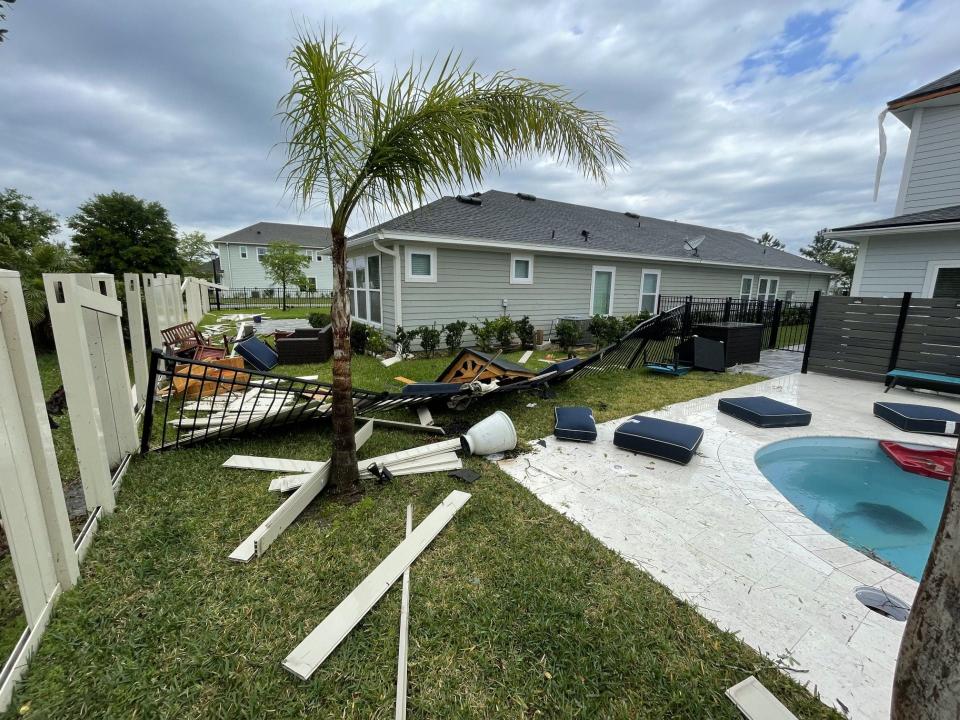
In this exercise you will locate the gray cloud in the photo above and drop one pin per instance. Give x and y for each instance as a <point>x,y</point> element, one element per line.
<point>175,101</point>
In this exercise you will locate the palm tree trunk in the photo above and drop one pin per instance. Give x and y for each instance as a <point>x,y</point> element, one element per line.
<point>927,682</point>
<point>344,477</point>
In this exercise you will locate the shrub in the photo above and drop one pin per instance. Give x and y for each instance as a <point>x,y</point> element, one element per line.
<point>567,333</point>
<point>318,320</point>
<point>376,342</point>
<point>405,339</point>
<point>358,337</point>
<point>484,335</point>
<point>503,328</point>
<point>429,338</point>
<point>605,329</point>
<point>454,334</point>
<point>525,332</point>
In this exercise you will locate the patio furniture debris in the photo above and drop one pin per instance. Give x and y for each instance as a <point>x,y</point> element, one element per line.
<point>764,412</point>
<point>256,352</point>
<point>927,419</point>
<point>423,414</point>
<point>493,434</point>
<point>930,462</point>
<point>742,341</point>
<point>756,702</point>
<point>939,382</point>
<point>185,340</point>
<point>472,365</point>
<point>305,345</point>
<point>574,423</point>
<point>525,357</point>
<point>432,429</point>
<point>673,441</point>
<point>401,706</point>
<point>317,646</point>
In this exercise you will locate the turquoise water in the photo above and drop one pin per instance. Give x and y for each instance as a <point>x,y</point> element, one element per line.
<point>851,489</point>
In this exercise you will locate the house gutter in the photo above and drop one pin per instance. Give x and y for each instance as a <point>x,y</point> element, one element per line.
<point>854,236</point>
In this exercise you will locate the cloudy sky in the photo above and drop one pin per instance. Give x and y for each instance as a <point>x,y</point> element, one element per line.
<point>750,116</point>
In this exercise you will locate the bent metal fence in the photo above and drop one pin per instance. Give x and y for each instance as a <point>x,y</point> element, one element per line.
<point>245,298</point>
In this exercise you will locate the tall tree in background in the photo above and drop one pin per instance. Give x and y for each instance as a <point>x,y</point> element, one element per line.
<point>195,251</point>
<point>357,140</point>
<point>283,264</point>
<point>768,240</point>
<point>843,258</point>
<point>118,233</point>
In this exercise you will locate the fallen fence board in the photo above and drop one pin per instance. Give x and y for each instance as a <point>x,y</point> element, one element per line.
<point>434,463</point>
<point>401,713</point>
<point>254,462</point>
<point>317,646</point>
<point>756,702</point>
<point>423,414</point>
<point>525,357</point>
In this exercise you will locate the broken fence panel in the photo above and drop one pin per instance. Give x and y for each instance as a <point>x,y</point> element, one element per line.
<point>138,340</point>
<point>401,707</point>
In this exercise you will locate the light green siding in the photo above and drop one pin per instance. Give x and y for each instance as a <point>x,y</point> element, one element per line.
<point>239,272</point>
<point>895,264</point>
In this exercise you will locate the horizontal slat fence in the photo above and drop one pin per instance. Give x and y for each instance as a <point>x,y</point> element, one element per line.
<point>931,336</point>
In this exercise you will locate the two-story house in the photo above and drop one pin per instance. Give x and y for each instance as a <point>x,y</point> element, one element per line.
<point>241,253</point>
<point>917,249</point>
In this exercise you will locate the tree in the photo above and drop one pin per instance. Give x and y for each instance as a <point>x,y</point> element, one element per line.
<point>821,248</point>
<point>22,224</point>
<point>357,140</point>
<point>283,264</point>
<point>829,252</point>
<point>926,685</point>
<point>194,250</point>
<point>768,240</point>
<point>120,233</point>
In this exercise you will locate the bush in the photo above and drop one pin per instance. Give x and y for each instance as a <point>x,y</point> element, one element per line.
<point>484,335</point>
<point>525,332</point>
<point>454,334</point>
<point>606,330</point>
<point>429,338</point>
<point>503,328</point>
<point>405,340</point>
<point>358,337</point>
<point>376,342</point>
<point>567,333</point>
<point>318,320</point>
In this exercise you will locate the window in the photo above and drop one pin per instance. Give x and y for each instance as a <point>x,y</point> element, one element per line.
<point>421,265</point>
<point>261,251</point>
<point>767,288</point>
<point>311,284</point>
<point>363,283</point>
<point>243,252</point>
<point>649,290</point>
<point>947,284</point>
<point>319,255</point>
<point>521,269</point>
<point>601,290</point>
<point>746,287</point>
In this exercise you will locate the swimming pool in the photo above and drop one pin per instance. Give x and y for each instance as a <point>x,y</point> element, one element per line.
<point>851,489</point>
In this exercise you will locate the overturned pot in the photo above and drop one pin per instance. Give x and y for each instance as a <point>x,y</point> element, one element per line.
<point>491,435</point>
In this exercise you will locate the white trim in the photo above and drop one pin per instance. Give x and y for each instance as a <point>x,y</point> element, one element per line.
<point>554,249</point>
<point>753,287</point>
<point>259,254</point>
<point>857,279</point>
<point>408,262</point>
<point>766,295</point>
<point>401,706</point>
<point>593,280</point>
<point>514,280</point>
<point>933,269</point>
<point>908,160</point>
<point>656,294</point>
<point>243,251</point>
<point>853,235</point>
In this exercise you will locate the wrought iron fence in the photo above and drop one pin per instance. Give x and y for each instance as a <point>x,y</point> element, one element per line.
<point>259,297</point>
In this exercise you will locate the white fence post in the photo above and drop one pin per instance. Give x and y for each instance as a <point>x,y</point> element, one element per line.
<point>138,341</point>
<point>153,311</point>
<point>192,291</point>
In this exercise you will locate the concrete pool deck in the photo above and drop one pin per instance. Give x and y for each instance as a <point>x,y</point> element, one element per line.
<point>722,538</point>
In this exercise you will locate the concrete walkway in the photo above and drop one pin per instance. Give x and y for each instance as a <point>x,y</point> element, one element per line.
<point>773,363</point>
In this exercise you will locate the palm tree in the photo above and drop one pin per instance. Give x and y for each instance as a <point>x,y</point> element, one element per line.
<point>356,140</point>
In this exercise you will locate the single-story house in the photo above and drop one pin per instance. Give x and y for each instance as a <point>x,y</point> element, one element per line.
<point>918,248</point>
<point>494,253</point>
<point>240,254</point>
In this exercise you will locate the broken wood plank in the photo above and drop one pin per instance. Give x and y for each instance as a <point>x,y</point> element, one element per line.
<point>423,414</point>
<point>254,462</point>
<point>401,713</point>
<point>756,702</point>
<point>525,357</point>
<point>317,646</point>
<point>405,380</point>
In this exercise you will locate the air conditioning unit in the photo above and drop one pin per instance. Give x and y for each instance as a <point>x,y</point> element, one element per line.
<point>583,324</point>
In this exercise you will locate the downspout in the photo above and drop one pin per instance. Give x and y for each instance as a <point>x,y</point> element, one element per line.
<point>397,277</point>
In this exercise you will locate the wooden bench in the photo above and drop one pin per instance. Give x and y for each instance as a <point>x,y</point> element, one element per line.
<point>941,382</point>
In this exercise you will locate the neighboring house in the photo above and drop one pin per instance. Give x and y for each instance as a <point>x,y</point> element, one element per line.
<point>240,254</point>
<point>918,249</point>
<point>469,258</point>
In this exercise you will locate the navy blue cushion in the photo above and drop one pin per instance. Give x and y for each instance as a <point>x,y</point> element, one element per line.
<point>659,438</point>
<point>256,352</point>
<point>764,412</point>
<point>431,389</point>
<point>918,418</point>
<point>575,423</point>
<point>561,367</point>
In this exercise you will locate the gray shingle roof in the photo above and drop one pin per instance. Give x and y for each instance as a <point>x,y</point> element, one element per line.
<point>263,233</point>
<point>505,217</point>
<point>927,217</point>
<point>947,81</point>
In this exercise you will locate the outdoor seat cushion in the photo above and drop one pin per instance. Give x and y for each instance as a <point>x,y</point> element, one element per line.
<point>256,352</point>
<point>672,441</point>
<point>918,418</point>
<point>925,380</point>
<point>764,412</point>
<point>575,423</point>
<point>431,389</point>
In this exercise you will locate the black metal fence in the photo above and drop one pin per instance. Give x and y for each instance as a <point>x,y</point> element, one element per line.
<point>259,297</point>
<point>785,322</point>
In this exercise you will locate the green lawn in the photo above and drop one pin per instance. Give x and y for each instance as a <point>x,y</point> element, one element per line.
<point>273,312</point>
<point>515,611</point>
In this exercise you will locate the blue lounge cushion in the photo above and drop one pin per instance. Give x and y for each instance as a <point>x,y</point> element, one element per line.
<point>575,423</point>
<point>764,412</point>
<point>256,352</point>
<point>918,418</point>
<point>431,388</point>
<point>658,438</point>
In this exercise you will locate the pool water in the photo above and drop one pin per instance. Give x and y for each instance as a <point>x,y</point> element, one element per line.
<point>851,489</point>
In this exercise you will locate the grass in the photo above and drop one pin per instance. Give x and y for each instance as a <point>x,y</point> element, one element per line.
<point>275,313</point>
<point>516,612</point>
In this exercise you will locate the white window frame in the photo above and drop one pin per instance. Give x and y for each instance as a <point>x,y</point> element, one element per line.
<point>355,291</point>
<point>753,287</point>
<point>410,252</point>
<point>613,284</point>
<point>933,270</point>
<point>261,254</point>
<point>243,252</point>
<point>514,280</point>
<point>656,293</point>
<point>319,255</point>
<point>766,296</point>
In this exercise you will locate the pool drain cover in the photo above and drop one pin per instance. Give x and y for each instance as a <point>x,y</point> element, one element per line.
<point>882,602</point>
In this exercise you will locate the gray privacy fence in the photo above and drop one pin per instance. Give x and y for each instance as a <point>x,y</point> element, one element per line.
<point>865,338</point>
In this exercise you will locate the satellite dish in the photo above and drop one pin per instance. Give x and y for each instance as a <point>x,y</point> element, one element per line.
<point>692,244</point>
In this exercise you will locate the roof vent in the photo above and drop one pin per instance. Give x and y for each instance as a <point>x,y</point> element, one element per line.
<point>585,234</point>
<point>526,196</point>
<point>469,200</point>
<point>632,215</point>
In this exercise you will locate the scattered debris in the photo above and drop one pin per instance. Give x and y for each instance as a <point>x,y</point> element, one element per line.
<point>405,380</point>
<point>531,405</point>
<point>401,707</point>
<point>465,474</point>
<point>756,702</point>
<point>423,413</point>
<point>387,362</point>
<point>525,357</point>
<point>381,473</point>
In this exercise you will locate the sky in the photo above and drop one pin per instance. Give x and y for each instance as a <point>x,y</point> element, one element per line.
<point>748,116</point>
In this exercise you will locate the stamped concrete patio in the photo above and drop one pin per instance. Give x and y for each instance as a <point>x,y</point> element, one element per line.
<point>722,538</point>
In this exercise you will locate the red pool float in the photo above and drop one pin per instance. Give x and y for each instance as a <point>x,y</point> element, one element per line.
<point>930,462</point>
